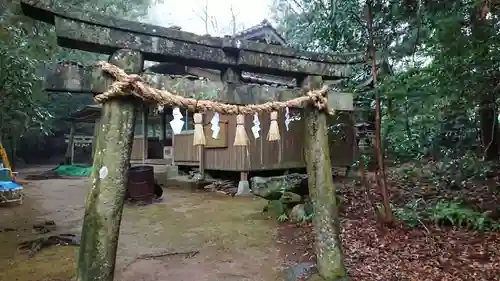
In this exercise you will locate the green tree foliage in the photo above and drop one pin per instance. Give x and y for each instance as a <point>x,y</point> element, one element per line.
<point>438,69</point>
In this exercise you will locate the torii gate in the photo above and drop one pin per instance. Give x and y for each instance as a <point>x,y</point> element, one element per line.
<point>130,43</point>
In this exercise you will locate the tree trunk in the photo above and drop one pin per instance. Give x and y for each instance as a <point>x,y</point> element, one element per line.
<point>103,211</point>
<point>482,29</point>
<point>330,260</point>
<point>489,128</point>
<point>382,179</point>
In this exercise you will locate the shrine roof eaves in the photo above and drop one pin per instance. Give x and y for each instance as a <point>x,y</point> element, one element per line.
<point>257,30</point>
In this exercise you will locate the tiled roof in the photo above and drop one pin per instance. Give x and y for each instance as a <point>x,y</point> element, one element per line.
<point>263,24</point>
<point>258,30</point>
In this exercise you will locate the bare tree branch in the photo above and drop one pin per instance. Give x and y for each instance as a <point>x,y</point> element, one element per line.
<point>233,20</point>
<point>204,16</point>
<point>211,23</point>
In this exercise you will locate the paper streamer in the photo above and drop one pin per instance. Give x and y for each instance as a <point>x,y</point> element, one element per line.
<point>256,126</point>
<point>177,123</point>
<point>287,118</point>
<point>215,125</point>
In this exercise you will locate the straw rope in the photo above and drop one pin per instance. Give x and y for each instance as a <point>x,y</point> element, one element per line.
<point>133,84</point>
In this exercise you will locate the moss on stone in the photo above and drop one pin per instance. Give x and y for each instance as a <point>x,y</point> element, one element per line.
<point>329,254</point>
<point>103,210</point>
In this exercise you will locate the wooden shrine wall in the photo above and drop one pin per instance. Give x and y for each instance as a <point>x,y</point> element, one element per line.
<point>287,153</point>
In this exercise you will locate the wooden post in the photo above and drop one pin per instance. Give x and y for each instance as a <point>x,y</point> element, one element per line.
<point>70,150</point>
<point>244,176</point>
<point>103,211</point>
<point>72,161</point>
<point>330,262</point>
<point>163,130</point>
<point>145,115</point>
<point>13,157</point>
<point>201,156</point>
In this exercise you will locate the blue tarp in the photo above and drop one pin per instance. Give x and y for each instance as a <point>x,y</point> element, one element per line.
<point>9,186</point>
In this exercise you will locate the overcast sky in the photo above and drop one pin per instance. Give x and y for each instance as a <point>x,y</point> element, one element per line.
<point>186,14</point>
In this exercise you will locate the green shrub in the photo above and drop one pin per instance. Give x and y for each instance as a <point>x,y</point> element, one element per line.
<point>449,172</point>
<point>444,213</point>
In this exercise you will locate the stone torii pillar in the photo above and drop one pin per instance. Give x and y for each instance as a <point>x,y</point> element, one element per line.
<point>103,211</point>
<point>319,174</point>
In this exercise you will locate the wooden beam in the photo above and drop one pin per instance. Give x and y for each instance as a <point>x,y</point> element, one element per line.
<point>163,122</point>
<point>103,34</point>
<point>145,131</point>
<point>78,79</point>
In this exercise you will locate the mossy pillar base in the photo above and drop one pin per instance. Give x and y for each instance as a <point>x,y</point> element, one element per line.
<point>103,211</point>
<point>330,261</point>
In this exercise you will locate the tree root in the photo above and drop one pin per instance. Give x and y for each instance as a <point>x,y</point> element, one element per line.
<point>50,174</point>
<point>188,255</point>
<point>41,228</point>
<point>7,229</point>
<point>45,227</point>
<point>36,245</point>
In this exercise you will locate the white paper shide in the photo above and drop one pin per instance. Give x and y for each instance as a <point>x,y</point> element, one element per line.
<point>177,123</point>
<point>215,125</point>
<point>256,126</point>
<point>287,118</point>
<point>290,117</point>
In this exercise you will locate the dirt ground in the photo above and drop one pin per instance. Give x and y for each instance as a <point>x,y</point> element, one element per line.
<point>234,241</point>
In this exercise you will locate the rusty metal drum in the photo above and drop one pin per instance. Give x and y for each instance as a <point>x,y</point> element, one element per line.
<point>141,182</point>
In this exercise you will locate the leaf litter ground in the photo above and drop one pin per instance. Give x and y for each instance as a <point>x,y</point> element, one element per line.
<point>375,253</point>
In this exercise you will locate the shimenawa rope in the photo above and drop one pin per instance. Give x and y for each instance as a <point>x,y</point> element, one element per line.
<point>133,84</point>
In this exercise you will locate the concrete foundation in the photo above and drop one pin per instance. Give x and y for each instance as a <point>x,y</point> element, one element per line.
<point>243,188</point>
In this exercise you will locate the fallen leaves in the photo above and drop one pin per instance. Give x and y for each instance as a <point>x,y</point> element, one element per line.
<point>374,253</point>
